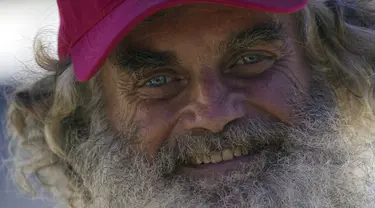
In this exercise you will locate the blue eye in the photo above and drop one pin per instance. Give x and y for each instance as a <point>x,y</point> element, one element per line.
<point>158,81</point>
<point>249,59</point>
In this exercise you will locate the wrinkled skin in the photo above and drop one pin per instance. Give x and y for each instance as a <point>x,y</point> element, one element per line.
<point>209,86</point>
<point>198,95</point>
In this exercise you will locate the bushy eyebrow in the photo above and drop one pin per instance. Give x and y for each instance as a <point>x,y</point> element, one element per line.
<point>260,34</point>
<point>136,59</point>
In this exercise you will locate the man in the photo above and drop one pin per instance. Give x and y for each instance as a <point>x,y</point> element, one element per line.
<point>203,104</point>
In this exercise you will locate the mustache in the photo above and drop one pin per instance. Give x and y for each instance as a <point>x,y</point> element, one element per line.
<point>249,134</point>
<point>313,118</point>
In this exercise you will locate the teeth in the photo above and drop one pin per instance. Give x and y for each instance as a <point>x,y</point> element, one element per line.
<point>237,152</point>
<point>198,160</point>
<point>206,159</point>
<point>227,154</point>
<point>216,157</point>
<point>245,151</point>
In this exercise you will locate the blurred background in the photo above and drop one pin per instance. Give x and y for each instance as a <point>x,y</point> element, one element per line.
<point>20,21</point>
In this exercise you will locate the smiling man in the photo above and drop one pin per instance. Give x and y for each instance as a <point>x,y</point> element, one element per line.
<point>203,104</point>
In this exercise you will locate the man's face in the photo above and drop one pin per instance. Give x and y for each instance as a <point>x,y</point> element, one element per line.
<point>209,105</point>
<point>201,67</point>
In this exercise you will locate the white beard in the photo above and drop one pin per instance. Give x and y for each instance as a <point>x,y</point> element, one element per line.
<point>320,164</point>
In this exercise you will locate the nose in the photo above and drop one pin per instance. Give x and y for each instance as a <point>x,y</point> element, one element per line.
<point>212,106</point>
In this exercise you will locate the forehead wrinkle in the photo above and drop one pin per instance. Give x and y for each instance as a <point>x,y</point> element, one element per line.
<point>172,16</point>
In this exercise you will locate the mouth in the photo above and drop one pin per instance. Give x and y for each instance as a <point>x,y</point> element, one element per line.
<point>209,166</point>
<point>218,156</point>
<point>222,162</point>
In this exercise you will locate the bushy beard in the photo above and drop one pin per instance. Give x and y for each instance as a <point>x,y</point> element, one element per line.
<point>312,162</point>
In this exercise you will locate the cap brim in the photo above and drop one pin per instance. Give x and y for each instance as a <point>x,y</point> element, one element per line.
<point>91,51</point>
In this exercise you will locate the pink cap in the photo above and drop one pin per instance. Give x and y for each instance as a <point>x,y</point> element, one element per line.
<point>91,29</point>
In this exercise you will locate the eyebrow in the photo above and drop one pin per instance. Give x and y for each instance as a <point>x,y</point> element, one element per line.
<point>260,34</point>
<point>134,59</point>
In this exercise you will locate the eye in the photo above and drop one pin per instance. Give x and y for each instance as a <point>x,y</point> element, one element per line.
<point>158,81</point>
<point>250,59</point>
<point>250,64</point>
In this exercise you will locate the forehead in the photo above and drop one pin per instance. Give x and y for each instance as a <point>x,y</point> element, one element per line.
<point>195,22</point>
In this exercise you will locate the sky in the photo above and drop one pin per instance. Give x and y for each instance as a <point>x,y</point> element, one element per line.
<point>20,21</point>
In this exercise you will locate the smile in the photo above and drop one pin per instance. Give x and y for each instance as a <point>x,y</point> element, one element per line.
<point>217,157</point>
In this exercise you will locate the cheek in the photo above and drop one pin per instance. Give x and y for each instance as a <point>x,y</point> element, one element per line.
<point>156,119</point>
<point>272,92</point>
<point>152,123</point>
<point>121,114</point>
